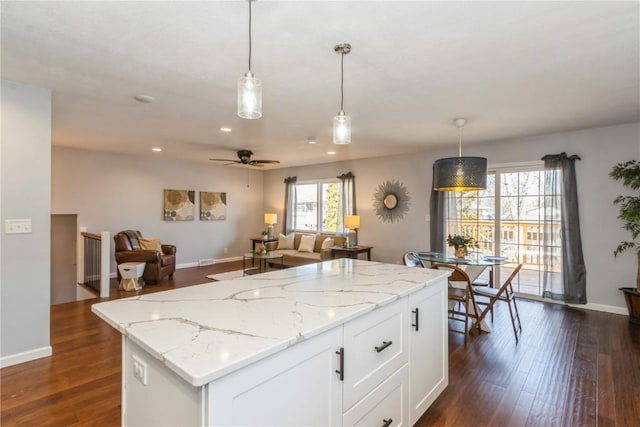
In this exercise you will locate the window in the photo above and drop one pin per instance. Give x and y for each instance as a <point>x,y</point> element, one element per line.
<point>507,219</point>
<point>317,206</point>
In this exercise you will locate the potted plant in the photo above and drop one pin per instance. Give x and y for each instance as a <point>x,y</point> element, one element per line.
<point>461,243</point>
<point>265,234</point>
<point>629,173</point>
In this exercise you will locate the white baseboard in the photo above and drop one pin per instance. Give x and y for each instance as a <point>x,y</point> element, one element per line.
<point>602,307</point>
<point>230,259</point>
<point>187,265</point>
<point>25,356</point>
<point>589,306</point>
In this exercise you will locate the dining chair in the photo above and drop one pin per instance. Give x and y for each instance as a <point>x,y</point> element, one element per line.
<point>459,297</point>
<point>503,293</point>
<point>411,260</point>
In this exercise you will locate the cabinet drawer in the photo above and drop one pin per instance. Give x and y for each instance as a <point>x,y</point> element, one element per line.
<point>375,346</point>
<point>388,404</point>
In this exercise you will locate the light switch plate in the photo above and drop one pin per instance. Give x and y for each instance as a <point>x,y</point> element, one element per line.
<point>17,226</point>
<point>140,369</point>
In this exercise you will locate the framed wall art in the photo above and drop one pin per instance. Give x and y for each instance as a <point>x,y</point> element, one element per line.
<point>179,205</point>
<point>213,206</point>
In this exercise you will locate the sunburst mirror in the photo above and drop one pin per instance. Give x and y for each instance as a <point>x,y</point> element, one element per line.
<point>391,201</point>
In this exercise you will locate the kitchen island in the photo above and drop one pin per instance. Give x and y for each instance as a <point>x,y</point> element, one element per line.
<point>343,342</point>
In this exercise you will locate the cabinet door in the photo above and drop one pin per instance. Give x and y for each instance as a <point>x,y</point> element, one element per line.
<point>298,386</point>
<point>428,347</point>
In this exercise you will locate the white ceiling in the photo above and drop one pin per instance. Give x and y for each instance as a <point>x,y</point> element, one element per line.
<point>511,68</point>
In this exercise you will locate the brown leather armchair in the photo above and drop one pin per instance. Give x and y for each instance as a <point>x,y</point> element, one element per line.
<point>159,264</point>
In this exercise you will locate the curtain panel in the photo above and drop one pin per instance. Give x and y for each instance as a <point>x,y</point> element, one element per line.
<point>289,223</point>
<point>347,201</point>
<point>563,245</point>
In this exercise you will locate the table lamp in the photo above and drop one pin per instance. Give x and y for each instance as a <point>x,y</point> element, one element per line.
<point>352,222</point>
<point>270,219</point>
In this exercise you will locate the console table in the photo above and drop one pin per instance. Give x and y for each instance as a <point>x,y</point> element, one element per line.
<point>351,252</point>
<point>262,261</point>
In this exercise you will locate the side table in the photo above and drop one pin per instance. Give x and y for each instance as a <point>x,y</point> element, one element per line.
<point>131,273</point>
<point>258,240</point>
<point>351,252</point>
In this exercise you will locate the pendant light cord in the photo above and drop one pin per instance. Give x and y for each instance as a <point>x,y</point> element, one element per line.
<point>250,35</point>
<point>341,80</point>
<point>460,142</point>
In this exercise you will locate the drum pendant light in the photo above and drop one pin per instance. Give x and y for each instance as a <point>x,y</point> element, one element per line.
<point>249,89</point>
<point>460,173</point>
<point>342,122</point>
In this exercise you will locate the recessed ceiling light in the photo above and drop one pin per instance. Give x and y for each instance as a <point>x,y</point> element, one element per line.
<point>225,129</point>
<point>145,99</point>
<point>331,152</point>
<point>312,140</point>
<point>157,149</point>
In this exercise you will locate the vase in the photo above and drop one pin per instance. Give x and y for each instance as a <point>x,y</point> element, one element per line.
<point>461,252</point>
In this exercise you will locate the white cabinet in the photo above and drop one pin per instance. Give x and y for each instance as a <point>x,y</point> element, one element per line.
<point>298,386</point>
<point>428,347</point>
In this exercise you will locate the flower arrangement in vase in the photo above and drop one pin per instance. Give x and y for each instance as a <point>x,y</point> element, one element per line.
<point>265,234</point>
<point>461,243</point>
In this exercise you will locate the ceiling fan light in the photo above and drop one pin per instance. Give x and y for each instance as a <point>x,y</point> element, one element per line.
<point>342,129</point>
<point>460,174</point>
<point>249,96</point>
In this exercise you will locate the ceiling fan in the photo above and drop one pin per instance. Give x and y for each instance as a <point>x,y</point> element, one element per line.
<point>245,159</point>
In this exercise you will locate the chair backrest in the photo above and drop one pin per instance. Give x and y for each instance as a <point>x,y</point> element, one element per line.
<point>127,240</point>
<point>411,259</point>
<point>457,274</point>
<point>507,282</point>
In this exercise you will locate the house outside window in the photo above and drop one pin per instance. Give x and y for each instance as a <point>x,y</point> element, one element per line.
<point>317,207</point>
<point>507,219</point>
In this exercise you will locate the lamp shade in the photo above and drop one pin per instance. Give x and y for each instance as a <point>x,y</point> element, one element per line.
<point>460,174</point>
<point>352,221</point>
<point>249,97</point>
<point>270,218</point>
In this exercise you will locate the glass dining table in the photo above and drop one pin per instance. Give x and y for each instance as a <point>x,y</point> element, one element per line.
<point>474,264</point>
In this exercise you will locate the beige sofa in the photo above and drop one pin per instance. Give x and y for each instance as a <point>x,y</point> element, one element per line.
<point>293,257</point>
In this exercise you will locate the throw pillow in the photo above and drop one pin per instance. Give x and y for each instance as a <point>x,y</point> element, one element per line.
<point>307,242</point>
<point>328,243</point>
<point>286,242</point>
<point>150,244</point>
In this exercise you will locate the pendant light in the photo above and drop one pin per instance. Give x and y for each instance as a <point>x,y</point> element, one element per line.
<point>249,89</point>
<point>460,173</point>
<point>342,122</point>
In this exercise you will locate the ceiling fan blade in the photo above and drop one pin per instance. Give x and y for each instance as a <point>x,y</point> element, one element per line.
<point>224,160</point>
<point>255,165</point>
<point>266,161</point>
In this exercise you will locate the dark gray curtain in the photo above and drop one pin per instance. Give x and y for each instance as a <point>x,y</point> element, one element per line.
<point>347,200</point>
<point>563,244</point>
<point>437,209</point>
<point>289,204</point>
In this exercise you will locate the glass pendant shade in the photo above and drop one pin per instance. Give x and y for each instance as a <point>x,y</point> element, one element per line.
<point>460,174</point>
<point>342,129</point>
<point>249,97</point>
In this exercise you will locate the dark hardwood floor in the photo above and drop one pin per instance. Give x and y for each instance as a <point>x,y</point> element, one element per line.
<point>571,367</point>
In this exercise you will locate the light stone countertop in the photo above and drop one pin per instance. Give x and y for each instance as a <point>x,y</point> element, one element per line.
<point>206,331</point>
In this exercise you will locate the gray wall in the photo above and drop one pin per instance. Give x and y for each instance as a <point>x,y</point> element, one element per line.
<point>599,148</point>
<point>115,192</point>
<point>25,175</point>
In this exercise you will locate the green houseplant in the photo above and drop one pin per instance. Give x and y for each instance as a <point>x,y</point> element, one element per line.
<point>629,173</point>
<point>461,243</point>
